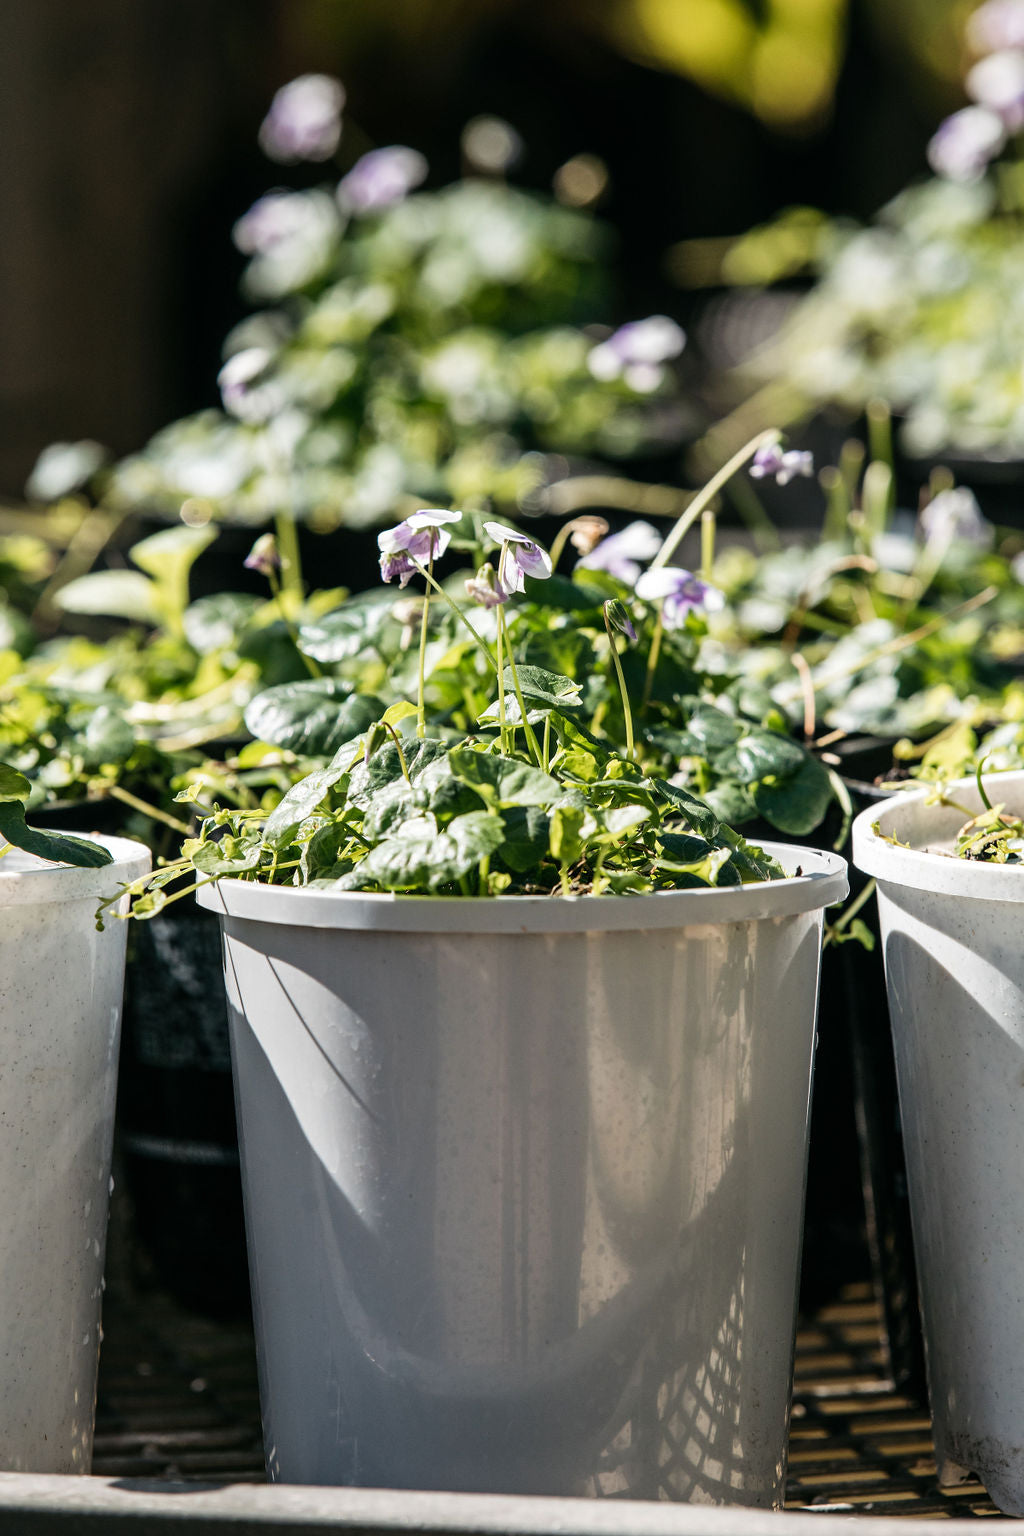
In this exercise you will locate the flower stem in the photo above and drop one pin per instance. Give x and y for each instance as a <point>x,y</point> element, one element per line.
<point>421,712</point>
<point>652,659</point>
<point>428,577</point>
<point>704,497</point>
<point>531,738</point>
<point>502,722</point>
<point>288,547</point>
<point>627,713</point>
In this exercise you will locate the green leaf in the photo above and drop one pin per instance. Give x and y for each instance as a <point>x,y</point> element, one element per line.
<point>119,594</point>
<point>526,837</point>
<point>346,632</point>
<point>13,785</point>
<point>169,555</point>
<point>796,804</point>
<point>731,802</point>
<point>313,717</point>
<point>420,857</point>
<point>759,754</point>
<point>712,729</point>
<point>57,847</point>
<point>214,623</point>
<point>696,812</point>
<point>542,687</point>
<point>564,837</point>
<point>302,800</point>
<point>107,738</point>
<point>385,766</point>
<point>503,781</point>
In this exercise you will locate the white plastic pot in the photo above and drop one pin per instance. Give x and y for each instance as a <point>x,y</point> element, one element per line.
<point>952,933</point>
<point>60,1011</point>
<point>524,1182</point>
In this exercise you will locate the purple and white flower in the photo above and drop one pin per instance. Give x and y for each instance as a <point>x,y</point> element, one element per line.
<point>962,146</point>
<point>263,556</point>
<point>304,121</point>
<point>381,178</point>
<point>678,591</point>
<point>520,557</point>
<point>954,516</point>
<point>411,544</point>
<point>772,461</point>
<point>247,386</point>
<point>995,25</point>
<point>484,587</point>
<point>636,353</point>
<point>997,83</point>
<point>621,552</point>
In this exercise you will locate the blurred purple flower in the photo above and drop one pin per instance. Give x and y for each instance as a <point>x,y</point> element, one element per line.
<point>620,553</point>
<point>381,178</point>
<point>304,121</point>
<point>678,591</point>
<point>263,556</point>
<point>772,461</point>
<point>636,352</point>
<point>955,516</point>
<point>962,146</point>
<point>520,557</point>
<point>996,24</point>
<point>998,84</point>
<point>247,387</point>
<point>413,542</point>
<point>484,587</point>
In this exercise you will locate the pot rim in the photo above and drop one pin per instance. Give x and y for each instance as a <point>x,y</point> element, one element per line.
<point>44,883</point>
<point>924,865</point>
<point>821,883</point>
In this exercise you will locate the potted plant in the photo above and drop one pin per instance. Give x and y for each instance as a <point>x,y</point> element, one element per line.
<point>949,890</point>
<point>522,1110</point>
<point>60,1006</point>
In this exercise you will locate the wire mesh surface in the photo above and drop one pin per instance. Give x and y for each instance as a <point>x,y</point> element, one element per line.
<point>178,1400</point>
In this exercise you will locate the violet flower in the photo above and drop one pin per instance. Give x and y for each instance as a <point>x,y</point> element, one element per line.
<point>963,145</point>
<point>247,387</point>
<point>304,121</point>
<point>263,556</point>
<point>998,84</point>
<point>772,461</point>
<point>414,542</point>
<point>484,588</point>
<point>995,25</point>
<point>620,553</point>
<point>636,353</point>
<point>955,516</point>
<point>678,591</point>
<point>382,178</point>
<point>520,557</point>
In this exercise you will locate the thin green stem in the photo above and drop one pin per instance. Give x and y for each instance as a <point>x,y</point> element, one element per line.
<point>502,721</point>
<point>707,543</point>
<point>531,738</point>
<point>627,713</point>
<point>652,659</point>
<point>704,497</point>
<point>277,593</point>
<point>456,610</point>
<point>287,536</point>
<point>546,751</point>
<point>421,709</point>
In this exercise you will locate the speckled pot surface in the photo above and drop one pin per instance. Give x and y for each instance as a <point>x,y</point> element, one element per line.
<point>524,1182</point>
<point>952,934</point>
<point>60,1014</point>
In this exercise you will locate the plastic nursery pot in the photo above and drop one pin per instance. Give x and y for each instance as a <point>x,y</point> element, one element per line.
<point>954,963</point>
<point>60,1011</point>
<point>524,1180</point>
